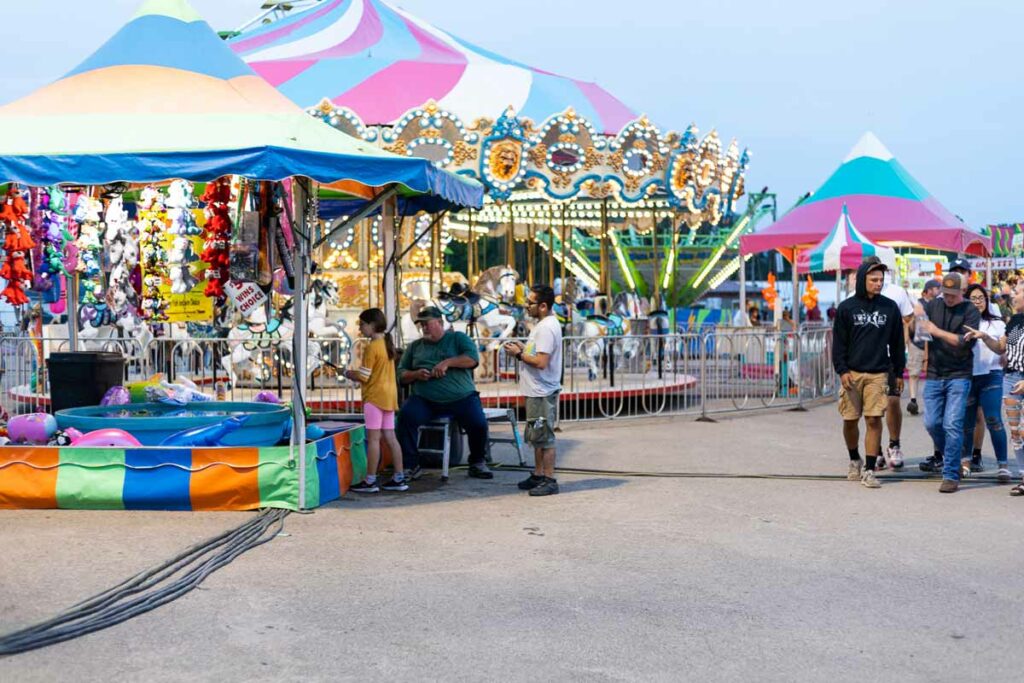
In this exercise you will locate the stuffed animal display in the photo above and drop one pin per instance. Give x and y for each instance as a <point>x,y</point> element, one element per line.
<point>88,211</point>
<point>151,222</point>
<point>217,236</point>
<point>54,234</point>
<point>183,226</point>
<point>122,255</point>
<point>17,241</point>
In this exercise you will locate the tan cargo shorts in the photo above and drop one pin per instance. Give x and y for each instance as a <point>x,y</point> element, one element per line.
<point>541,420</point>
<point>868,397</point>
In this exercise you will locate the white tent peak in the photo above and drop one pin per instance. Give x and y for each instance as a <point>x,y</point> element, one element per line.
<point>869,146</point>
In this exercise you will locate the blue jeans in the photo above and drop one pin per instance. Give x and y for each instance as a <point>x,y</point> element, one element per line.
<point>416,412</point>
<point>945,402</point>
<point>987,391</point>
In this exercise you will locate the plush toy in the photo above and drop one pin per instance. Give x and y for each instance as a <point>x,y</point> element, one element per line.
<point>151,223</point>
<point>217,236</point>
<point>122,256</point>
<point>33,428</point>
<point>90,248</point>
<point>17,242</point>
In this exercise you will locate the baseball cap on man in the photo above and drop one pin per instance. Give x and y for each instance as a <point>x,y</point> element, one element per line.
<point>953,283</point>
<point>960,263</point>
<point>875,263</point>
<point>931,284</point>
<point>429,313</point>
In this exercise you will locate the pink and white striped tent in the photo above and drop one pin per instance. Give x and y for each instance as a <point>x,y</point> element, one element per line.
<point>381,62</point>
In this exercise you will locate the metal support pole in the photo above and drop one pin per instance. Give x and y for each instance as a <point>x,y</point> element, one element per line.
<point>551,248</point>
<point>300,336</point>
<point>796,290</point>
<point>743,288</point>
<point>563,250</point>
<point>988,273</point>
<point>531,235</point>
<point>606,276</point>
<point>390,274</point>
<point>510,240</point>
<point>434,239</point>
<point>839,285</point>
<point>72,309</point>
<point>657,259</point>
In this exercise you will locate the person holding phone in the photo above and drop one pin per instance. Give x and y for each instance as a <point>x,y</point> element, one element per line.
<point>1012,345</point>
<point>986,384</point>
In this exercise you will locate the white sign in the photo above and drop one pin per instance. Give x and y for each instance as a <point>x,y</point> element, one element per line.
<point>1009,263</point>
<point>246,296</point>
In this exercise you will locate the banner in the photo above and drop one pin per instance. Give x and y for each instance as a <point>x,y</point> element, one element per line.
<point>192,306</point>
<point>1006,238</point>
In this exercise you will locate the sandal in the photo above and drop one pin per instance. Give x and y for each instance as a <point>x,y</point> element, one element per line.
<point>1017,490</point>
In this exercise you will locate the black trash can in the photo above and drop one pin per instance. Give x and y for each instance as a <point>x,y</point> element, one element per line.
<point>82,378</point>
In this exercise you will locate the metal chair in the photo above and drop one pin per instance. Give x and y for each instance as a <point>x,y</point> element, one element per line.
<point>450,429</point>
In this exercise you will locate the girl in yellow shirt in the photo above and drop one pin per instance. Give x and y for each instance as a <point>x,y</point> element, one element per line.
<point>380,401</point>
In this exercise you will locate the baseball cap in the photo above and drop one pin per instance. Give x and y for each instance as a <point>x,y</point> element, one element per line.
<point>875,263</point>
<point>953,283</point>
<point>931,284</point>
<point>961,263</point>
<point>429,313</point>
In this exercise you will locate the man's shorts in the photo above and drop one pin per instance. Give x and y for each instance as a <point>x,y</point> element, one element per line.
<point>915,360</point>
<point>867,397</point>
<point>541,419</point>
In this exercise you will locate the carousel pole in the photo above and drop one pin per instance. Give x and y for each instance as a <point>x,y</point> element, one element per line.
<point>551,247</point>
<point>510,239</point>
<point>563,250</point>
<point>471,249</point>
<point>531,235</point>
<point>657,258</point>
<point>390,274</point>
<point>605,282</point>
<point>300,335</point>
<point>743,287</point>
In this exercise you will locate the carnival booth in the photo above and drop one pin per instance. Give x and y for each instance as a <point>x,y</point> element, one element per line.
<point>105,199</point>
<point>578,185</point>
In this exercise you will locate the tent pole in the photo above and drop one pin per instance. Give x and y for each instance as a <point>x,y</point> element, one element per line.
<point>796,290</point>
<point>988,273</point>
<point>300,336</point>
<point>389,276</point>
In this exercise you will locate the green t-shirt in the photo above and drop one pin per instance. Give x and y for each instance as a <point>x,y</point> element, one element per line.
<point>457,382</point>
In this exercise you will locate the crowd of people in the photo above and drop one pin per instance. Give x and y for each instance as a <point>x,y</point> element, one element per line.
<point>969,344</point>
<point>438,370</point>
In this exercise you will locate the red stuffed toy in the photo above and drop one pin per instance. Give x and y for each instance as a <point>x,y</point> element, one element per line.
<point>17,241</point>
<point>217,236</point>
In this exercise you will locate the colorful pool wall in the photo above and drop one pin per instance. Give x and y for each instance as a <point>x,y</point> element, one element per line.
<point>38,477</point>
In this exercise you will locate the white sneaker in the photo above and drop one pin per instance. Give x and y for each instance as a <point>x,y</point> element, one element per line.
<point>868,479</point>
<point>895,457</point>
<point>853,474</point>
<point>1003,475</point>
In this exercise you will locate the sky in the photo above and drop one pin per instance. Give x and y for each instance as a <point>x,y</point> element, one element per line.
<point>796,81</point>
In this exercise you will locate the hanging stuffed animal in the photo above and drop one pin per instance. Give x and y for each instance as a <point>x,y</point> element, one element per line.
<point>54,233</point>
<point>151,223</point>
<point>90,248</point>
<point>769,293</point>
<point>217,236</point>
<point>122,256</point>
<point>810,297</point>
<point>17,242</point>
<point>183,227</point>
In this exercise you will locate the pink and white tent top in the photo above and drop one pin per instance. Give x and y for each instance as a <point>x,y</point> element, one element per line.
<point>891,207</point>
<point>381,62</point>
<point>845,248</point>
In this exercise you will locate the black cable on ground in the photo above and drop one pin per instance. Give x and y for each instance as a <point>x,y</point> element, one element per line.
<point>148,589</point>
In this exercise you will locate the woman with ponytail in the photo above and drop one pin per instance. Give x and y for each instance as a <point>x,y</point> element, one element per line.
<point>380,401</point>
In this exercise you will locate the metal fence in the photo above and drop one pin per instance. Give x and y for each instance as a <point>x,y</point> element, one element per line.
<point>698,373</point>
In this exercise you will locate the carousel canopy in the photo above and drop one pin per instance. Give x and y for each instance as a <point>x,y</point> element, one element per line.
<point>381,62</point>
<point>165,98</point>
<point>890,205</point>
<point>844,248</point>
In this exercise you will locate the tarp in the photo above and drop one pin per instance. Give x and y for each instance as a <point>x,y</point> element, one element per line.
<point>844,248</point>
<point>166,98</point>
<point>891,207</point>
<point>381,62</point>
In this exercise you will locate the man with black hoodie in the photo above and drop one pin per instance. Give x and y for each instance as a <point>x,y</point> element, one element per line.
<point>867,345</point>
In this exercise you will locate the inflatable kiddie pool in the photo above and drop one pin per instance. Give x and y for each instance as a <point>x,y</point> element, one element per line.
<point>152,423</point>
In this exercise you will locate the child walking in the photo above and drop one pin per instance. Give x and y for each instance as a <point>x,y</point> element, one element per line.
<point>380,401</point>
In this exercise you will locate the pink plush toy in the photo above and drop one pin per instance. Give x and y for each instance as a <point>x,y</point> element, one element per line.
<point>106,438</point>
<point>34,428</point>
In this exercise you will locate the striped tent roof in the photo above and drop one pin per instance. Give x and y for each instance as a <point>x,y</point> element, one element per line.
<point>165,98</point>
<point>844,248</point>
<point>380,62</point>
<point>890,205</point>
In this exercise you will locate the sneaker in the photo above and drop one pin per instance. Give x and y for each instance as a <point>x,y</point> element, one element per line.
<point>932,464</point>
<point>949,486</point>
<point>1003,475</point>
<point>976,465</point>
<point>480,471</point>
<point>364,487</point>
<point>965,469</point>
<point>912,407</point>
<point>895,457</point>
<point>549,487</point>
<point>880,463</point>
<point>413,473</point>
<point>531,482</point>
<point>853,474</point>
<point>395,485</point>
<point>868,479</point>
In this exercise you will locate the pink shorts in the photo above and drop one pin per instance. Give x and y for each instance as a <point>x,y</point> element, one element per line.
<point>377,418</point>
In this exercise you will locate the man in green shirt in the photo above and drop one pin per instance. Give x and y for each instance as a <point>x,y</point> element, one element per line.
<point>439,366</point>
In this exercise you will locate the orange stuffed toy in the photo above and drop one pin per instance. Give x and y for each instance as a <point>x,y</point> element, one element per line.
<point>17,241</point>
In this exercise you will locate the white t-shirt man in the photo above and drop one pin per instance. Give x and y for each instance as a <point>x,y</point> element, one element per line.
<point>546,337</point>
<point>893,291</point>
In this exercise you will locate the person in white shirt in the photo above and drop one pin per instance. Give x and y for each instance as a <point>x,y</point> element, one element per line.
<point>540,380</point>
<point>986,385</point>
<point>894,412</point>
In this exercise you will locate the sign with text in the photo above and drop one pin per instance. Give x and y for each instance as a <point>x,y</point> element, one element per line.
<point>247,296</point>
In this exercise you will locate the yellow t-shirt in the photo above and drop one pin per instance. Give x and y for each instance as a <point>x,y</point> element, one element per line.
<point>377,374</point>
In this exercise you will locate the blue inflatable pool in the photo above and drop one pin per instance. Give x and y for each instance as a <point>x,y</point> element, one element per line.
<point>151,423</point>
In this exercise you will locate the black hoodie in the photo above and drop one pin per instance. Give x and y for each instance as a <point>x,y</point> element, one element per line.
<point>867,334</point>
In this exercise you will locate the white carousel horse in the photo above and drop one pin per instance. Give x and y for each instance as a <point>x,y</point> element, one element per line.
<point>613,323</point>
<point>468,310</point>
<point>337,345</point>
<point>101,327</point>
<point>256,345</point>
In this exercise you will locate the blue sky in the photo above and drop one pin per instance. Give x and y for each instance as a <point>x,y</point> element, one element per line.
<point>941,83</point>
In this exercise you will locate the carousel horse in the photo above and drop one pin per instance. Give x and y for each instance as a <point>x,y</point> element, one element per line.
<point>255,344</point>
<point>108,326</point>
<point>481,306</point>
<point>612,322</point>
<point>337,345</point>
